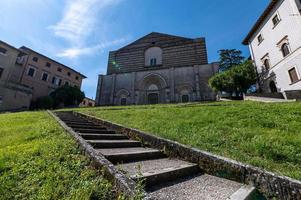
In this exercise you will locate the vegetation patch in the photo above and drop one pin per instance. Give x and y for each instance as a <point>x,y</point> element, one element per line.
<point>260,134</point>
<point>38,160</point>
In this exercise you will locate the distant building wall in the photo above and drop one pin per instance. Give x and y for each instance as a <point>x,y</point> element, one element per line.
<point>87,103</point>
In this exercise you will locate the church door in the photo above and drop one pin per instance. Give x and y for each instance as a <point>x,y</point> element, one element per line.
<point>153,98</point>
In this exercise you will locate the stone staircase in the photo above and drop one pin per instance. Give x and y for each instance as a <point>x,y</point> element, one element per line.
<point>164,177</point>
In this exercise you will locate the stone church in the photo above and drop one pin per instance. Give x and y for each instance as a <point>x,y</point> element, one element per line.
<point>157,68</point>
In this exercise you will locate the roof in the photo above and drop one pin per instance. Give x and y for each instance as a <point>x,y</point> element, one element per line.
<point>261,19</point>
<point>158,35</point>
<point>26,48</point>
<point>21,52</point>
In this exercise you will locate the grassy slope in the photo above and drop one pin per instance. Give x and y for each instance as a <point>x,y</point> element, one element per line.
<point>264,135</point>
<point>39,161</point>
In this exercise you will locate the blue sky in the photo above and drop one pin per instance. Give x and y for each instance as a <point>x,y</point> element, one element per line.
<point>80,33</point>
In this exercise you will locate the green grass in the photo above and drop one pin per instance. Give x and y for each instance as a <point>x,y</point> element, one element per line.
<point>264,135</point>
<point>38,160</point>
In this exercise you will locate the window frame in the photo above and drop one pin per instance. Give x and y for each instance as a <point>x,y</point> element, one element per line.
<point>42,77</point>
<point>34,71</point>
<point>48,64</point>
<point>3,53</point>
<point>35,59</point>
<point>290,76</point>
<point>260,38</point>
<point>283,51</point>
<point>278,21</point>
<point>59,69</point>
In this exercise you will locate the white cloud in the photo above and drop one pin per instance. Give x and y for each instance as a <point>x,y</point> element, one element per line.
<point>76,51</point>
<point>79,19</point>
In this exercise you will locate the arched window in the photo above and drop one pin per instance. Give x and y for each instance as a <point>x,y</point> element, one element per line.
<point>153,56</point>
<point>285,49</point>
<point>266,64</point>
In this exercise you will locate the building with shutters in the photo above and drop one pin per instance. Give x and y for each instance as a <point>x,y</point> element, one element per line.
<point>275,46</point>
<point>157,68</point>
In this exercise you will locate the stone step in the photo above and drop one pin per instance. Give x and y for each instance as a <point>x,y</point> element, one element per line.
<point>75,121</point>
<point>104,144</point>
<point>88,126</point>
<point>200,186</point>
<point>79,123</point>
<point>124,155</point>
<point>89,136</point>
<point>100,131</point>
<point>159,170</point>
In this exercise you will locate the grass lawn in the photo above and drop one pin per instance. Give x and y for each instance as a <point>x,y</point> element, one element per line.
<point>264,135</point>
<point>38,160</point>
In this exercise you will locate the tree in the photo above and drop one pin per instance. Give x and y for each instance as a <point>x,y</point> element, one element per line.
<point>236,80</point>
<point>67,96</point>
<point>229,58</point>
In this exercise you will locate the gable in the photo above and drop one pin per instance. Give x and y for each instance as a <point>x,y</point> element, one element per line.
<point>156,39</point>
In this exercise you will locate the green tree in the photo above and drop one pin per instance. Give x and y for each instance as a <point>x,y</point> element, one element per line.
<point>236,80</point>
<point>229,58</point>
<point>67,96</point>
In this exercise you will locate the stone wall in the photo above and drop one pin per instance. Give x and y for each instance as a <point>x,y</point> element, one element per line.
<point>177,52</point>
<point>293,94</point>
<point>169,83</point>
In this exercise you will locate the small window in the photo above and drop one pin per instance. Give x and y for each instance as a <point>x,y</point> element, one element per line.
<point>260,38</point>
<point>48,64</point>
<point>266,64</point>
<point>123,101</point>
<point>76,78</point>
<point>54,80</point>
<point>69,73</point>
<point>3,51</point>
<point>153,62</point>
<point>66,83</point>
<point>285,49</point>
<point>276,20</point>
<point>59,69</point>
<point>31,72</point>
<point>45,77</point>
<point>35,59</point>
<point>1,71</point>
<point>60,82</point>
<point>293,75</point>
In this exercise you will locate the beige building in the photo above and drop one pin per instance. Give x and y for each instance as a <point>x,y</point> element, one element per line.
<point>26,75</point>
<point>87,102</point>
<point>44,75</point>
<point>13,94</point>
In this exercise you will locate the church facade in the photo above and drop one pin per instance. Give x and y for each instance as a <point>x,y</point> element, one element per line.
<point>157,68</point>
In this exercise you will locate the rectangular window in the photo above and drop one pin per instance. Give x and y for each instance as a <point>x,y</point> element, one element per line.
<point>153,62</point>
<point>54,80</point>
<point>48,64</point>
<point>76,78</point>
<point>66,83</point>
<point>35,59</point>
<point>31,72</point>
<point>260,38</point>
<point>59,69</point>
<point>60,82</point>
<point>276,20</point>
<point>69,73</point>
<point>45,77</point>
<point>1,71</point>
<point>293,75</point>
<point>3,51</point>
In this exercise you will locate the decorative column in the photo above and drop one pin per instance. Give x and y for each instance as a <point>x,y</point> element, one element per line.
<point>133,94</point>
<point>197,83</point>
<point>172,84</point>
<point>113,89</point>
